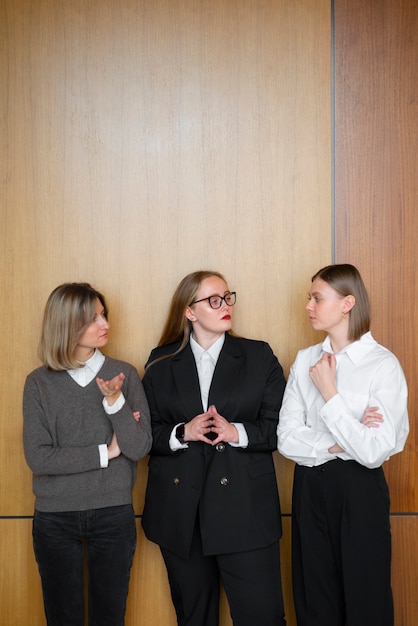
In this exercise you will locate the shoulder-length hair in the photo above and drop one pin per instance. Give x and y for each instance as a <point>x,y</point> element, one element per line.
<point>69,310</point>
<point>177,328</point>
<point>346,281</point>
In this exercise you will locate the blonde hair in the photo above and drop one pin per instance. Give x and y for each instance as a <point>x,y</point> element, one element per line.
<point>177,327</point>
<point>69,310</point>
<point>346,281</point>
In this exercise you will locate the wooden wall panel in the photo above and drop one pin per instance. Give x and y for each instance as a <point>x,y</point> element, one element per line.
<point>376,219</point>
<point>404,569</point>
<point>376,184</point>
<point>20,585</point>
<point>140,140</point>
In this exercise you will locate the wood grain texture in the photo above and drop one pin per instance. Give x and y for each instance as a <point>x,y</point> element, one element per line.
<point>20,585</point>
<point>140,141</point>
<point>404,569</point>
<point>376,185</point>
<point>376,221</point>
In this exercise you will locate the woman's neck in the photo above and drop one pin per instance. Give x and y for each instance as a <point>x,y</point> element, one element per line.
<point>82,355</point>
<point>338,343</point>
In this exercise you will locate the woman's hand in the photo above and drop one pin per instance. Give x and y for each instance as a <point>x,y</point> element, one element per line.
<point>111,389</point>
<point>211,421</point>
<point>371,418</point>
<point>224,429</point>
<point>198,428</point>
<point>323,376</point>
<point>113,449</point>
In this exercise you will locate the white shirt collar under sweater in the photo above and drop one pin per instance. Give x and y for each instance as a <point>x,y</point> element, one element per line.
<point>84,375</point>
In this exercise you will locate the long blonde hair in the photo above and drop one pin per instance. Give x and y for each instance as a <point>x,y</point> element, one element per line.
<point>177,327</point>
<point>69,310</point>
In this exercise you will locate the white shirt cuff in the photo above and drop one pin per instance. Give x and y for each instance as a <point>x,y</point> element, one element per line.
<point>242,436</point>
<point>104,455</point>
<point>116,406</point>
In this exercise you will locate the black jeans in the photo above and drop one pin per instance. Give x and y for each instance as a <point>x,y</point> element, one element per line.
<point>61,540</point>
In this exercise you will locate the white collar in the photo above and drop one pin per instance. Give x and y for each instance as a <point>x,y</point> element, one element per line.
<point>89,368</point>
<point>356,349</point>
<point>213,351</point>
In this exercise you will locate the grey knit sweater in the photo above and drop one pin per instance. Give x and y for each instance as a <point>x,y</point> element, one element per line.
<point>63,425</point>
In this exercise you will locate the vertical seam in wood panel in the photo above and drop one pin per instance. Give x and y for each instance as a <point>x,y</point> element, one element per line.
<point>332,133</point>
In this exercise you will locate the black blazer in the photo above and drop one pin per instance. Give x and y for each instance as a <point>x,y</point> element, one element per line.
<point>233,490</point>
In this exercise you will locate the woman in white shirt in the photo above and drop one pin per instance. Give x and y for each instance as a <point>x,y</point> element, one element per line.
<point>343,414</point>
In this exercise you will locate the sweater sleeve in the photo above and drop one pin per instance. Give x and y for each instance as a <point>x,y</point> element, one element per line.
<point>134,438</point>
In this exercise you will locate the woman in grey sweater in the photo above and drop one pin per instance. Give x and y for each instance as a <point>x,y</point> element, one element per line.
<point>86,424</point>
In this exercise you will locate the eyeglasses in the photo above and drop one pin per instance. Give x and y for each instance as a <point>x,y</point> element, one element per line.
<point>215,302</point>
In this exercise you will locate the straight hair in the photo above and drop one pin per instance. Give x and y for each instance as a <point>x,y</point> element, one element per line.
<point>346,281</point>
<point>69,310</point>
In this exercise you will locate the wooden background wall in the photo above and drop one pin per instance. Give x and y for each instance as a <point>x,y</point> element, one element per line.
<point>141,140</point>
<point>376,219</point>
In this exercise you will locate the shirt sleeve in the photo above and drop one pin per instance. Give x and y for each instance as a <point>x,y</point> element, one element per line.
<point>104,455</point>
<point>304,444</point>
<point>372,446</point>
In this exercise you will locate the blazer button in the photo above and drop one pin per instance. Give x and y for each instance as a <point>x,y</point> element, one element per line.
<point>176,481</point>
<point>220,447</point>
<point>224,480</point>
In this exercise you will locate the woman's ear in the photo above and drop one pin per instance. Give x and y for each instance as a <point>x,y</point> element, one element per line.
<point>349,302</point>
<point>190,315</point>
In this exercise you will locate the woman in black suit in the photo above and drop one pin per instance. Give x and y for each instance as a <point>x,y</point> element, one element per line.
<point>211,502</point>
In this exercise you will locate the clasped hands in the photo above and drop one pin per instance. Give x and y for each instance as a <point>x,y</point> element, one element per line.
<point>210,421</point>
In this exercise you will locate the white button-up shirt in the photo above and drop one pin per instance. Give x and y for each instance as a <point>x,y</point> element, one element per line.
<point>367,375</point>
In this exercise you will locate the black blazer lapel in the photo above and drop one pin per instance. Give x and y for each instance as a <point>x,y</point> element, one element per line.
<point>187,382</point>
<point>226,371</point>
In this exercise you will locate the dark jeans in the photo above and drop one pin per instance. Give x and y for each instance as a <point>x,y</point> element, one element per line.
<point>107,537</point>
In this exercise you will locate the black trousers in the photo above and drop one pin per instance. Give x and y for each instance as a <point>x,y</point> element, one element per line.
<point>108,537</point>
<point>252,583</point>
<point>341,546</point>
